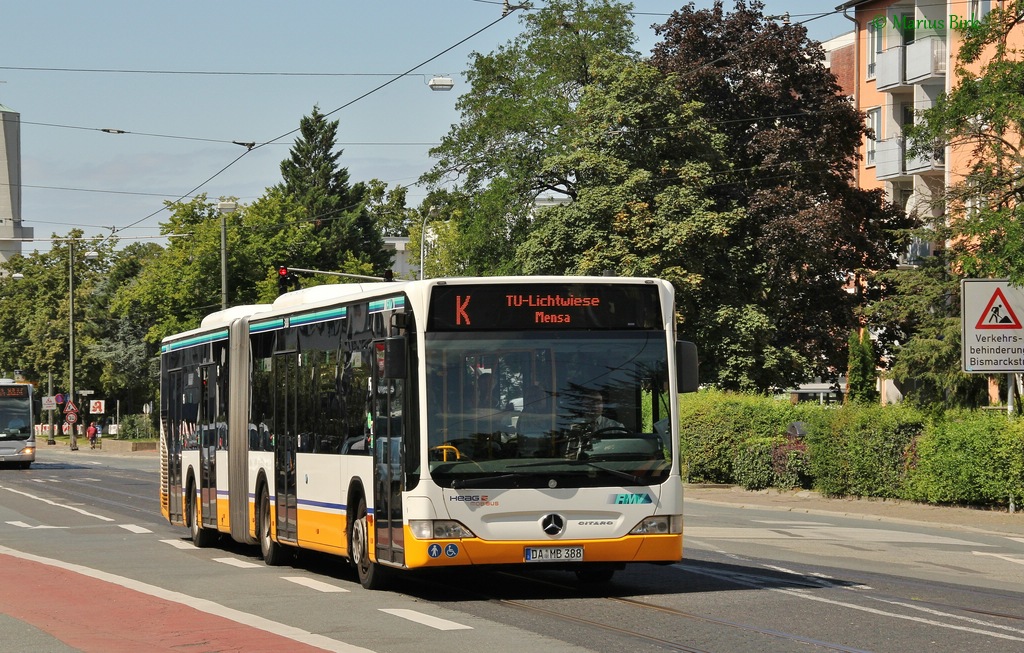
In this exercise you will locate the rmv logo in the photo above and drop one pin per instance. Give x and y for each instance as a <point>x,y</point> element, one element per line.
<point>632,498</point>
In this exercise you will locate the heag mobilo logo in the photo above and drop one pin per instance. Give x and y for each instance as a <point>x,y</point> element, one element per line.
<point>473,499</point>
<point>631,498</point>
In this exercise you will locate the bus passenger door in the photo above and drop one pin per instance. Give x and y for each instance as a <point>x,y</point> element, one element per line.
<point>388,450</point>
<point>172,430</point>
<point>285,442</point>
<point>208,444</point>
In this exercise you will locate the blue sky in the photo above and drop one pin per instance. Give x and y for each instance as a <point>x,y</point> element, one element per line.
<point>181,123</point>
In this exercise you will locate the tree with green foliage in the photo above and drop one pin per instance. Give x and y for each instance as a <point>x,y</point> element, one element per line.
<point>645,159</point>
<point>918,323</point>
<point>520,111</point>
<point>778,308</point>
<point>116,342</point>
<point>344,230</point>
<point>175,290</point>
<point>862,368</point>
<point>34,313</point>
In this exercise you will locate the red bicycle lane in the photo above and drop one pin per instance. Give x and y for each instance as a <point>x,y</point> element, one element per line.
<point>94,611</point>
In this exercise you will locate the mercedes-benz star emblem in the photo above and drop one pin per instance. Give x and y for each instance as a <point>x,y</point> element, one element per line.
<point>552,524</point>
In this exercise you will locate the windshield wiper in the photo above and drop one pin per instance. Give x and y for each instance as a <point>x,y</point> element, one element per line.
<point>636,480</point>
<point>465,482</point>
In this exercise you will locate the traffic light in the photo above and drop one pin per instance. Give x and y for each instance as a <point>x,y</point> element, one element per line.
<point>286,280</point>
<point>389,275</point>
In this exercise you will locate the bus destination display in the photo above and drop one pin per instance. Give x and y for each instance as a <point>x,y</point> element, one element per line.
<point>544,306</point>
<point>14,391</point>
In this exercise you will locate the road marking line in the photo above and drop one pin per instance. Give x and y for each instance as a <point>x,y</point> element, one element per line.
<point>135,529</point>
<point>939,613</point>
<point>179,544</point>
<point>804,594</point>
<point>1009,557</point>
<point>21,524</point>
<point>54,503</point>
<point>426,619</point>
<point>203,605</point>
<point>314,584</point>
<point>235,562</point>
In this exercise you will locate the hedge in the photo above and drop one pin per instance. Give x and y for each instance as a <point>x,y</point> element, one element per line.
<point>965,458</point>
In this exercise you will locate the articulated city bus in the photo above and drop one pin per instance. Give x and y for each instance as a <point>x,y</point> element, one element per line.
<point>17,424</point>
<point>435,423</point>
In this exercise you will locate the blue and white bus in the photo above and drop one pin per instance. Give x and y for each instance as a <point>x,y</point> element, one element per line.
<point>434,423</point>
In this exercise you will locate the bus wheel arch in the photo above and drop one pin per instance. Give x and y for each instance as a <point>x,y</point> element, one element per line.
<point>371,575</point>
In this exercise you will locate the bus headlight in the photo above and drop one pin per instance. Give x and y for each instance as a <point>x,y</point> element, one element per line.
<point>661,525</point>
<point>27,451</point>
<point>438,529</point>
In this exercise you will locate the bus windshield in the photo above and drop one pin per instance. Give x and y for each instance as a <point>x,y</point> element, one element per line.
<point>15,418</point>
<point>563,409</point>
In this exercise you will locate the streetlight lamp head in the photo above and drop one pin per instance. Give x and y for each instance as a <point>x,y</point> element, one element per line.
<point>227,207</point>
<point>441,83</point>
<point>17,276</point>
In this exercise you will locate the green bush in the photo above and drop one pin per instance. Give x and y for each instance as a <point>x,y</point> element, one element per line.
<point>969,458</point>
<point>136,427</point>
<point>966,457</point>
<point>862,450</point>
<point>716,426</point>
<point>791,465</point>
<point>753,463</point>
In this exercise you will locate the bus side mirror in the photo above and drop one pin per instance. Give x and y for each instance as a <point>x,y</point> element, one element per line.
<point>686,366</point>
<point>394,358</point>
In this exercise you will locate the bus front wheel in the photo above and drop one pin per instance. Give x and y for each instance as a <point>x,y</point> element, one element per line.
<point>273,553</point>
<point>371,575</point>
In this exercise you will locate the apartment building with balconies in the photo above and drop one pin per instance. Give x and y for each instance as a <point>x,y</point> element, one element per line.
<point>905,58</point>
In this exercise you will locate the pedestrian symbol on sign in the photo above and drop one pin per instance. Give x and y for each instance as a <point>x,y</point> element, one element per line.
<point>998,314</point>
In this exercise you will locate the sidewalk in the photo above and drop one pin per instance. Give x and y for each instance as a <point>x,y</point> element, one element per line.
<point>810,502</point>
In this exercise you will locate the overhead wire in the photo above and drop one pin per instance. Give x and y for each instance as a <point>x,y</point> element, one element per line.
<point>343,106</point>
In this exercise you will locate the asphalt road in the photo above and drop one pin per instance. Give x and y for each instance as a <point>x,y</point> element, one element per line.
<point>87,564</point>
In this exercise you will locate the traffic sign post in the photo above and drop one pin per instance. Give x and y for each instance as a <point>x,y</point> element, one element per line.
<point>992,335</point>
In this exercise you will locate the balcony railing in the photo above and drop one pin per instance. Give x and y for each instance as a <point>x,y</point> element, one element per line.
<point>934,161</point>
<point>926,60</point>
<point>889,156</point>
<point>889,73</point>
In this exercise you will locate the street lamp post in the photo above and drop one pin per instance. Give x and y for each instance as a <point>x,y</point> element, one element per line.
<point>423,241</point>
<point>224,208</point>
<point>71,331</point>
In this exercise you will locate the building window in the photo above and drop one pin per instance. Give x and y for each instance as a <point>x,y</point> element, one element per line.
<point>980,8</point>
<point>874,48</point>
<point>874,125</point>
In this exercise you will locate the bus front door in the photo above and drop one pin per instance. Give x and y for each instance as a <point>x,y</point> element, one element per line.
<point>388,451</point>
<point>172,423</point>
<point>285,443</point>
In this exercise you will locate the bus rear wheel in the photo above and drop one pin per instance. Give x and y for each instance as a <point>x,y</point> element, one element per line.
<point>273,553</point>
<point>371,575</point>
<point>201,537</point>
